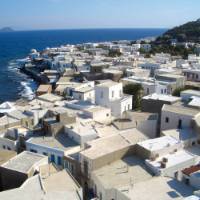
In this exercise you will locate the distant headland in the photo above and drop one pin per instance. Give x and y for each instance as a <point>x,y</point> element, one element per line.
<point>6,29</point>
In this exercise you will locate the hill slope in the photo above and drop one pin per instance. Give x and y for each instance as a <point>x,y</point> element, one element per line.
<point>186,32</point>
<point>6,29</point>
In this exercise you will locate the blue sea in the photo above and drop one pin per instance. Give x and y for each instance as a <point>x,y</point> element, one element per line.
<point>17,45</point>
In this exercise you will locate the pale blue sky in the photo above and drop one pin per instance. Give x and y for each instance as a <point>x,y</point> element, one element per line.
<point>69,14</point>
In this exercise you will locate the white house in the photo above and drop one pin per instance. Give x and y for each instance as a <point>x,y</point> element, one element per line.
<point>186,95</point>
<point>81,132</point>
<point>177,117</point>
<point>53,147</point>
<point>149,85</point>
<point>110,94</point>
<point>146,47</point>
<point>165,156</point>
<point>192,74</point>
<point>97,113</point>
<point>84,94</point>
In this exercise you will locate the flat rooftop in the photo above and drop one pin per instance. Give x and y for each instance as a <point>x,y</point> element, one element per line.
<point>104,146</point>
<point>61,142</point>
<point>167,75</point>
<point>191,92</point>
<point>44,88</point>
<point>61,110</point>
<point>64,80</point>
<point>105,130</point>
<point>162,97</point>
<point>17,114</point>
<point>6,155</point>
<point>120,173</point>
<point>94,109</point>
<point>23,162</point>
<point>113,71</point>
<point>84,89</point>
<point>39,103</point>
<point>158,188</point>
<point>180,134</point>
<point>50,97</point>
<point>7,120</point>
<point>158,143</point>
<point>193,197</point>
<point>180,110</point>
<point>66,182</point>
<point>55,185</point>
<point>108,84</point>
<point>82,129</point>
<point>195,102</point>
<point>174,159</point>
<point>136,79</point>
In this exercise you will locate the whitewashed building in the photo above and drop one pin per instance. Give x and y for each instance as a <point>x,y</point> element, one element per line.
<point>110,94</point>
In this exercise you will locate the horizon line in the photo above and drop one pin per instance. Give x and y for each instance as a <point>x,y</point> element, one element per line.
<point>100,28</point>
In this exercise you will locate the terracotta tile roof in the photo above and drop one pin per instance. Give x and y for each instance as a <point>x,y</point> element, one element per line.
<point>191,170</point>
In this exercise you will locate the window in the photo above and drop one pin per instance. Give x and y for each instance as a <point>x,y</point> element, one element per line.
<point>86,168</point>
<point>147,90</point>
<point>167,119</point>
<point>26,124</point>
<point>176,175</point>
<point>120,93</point>
<point>193,143</point>
<point>52,158</point>
<point>70,93</point>
<point>100,196</point>
<point>72,169</point>
<point>33,150</point>
<point>179,124</point>
<point>102,94</point>
<point>113,94</point>
<point>95,190</point>
<point>59,160</point>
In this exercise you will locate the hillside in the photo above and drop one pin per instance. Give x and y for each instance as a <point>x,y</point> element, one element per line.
<point>6,29</point>
<point>186,32</point>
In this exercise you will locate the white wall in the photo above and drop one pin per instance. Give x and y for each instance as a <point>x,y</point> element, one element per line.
<point>174,120</point>
<point>87,96</point>
<point>80,139</point>
<point>42,149</point>
<point>119,107</point>
<point>101,115</point>
<point>195,181</point>
<point>149,128</point>
<point>112,97</point>
<point>105,94</point>
<point>161,89</point>
<point>8,144</point>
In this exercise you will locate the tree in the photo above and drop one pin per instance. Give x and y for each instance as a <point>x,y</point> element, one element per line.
<point>177,92</point>
<point>114,53</point>
<point>137,91</point>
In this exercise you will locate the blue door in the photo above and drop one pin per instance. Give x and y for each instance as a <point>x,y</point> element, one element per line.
<point>52,158</point>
